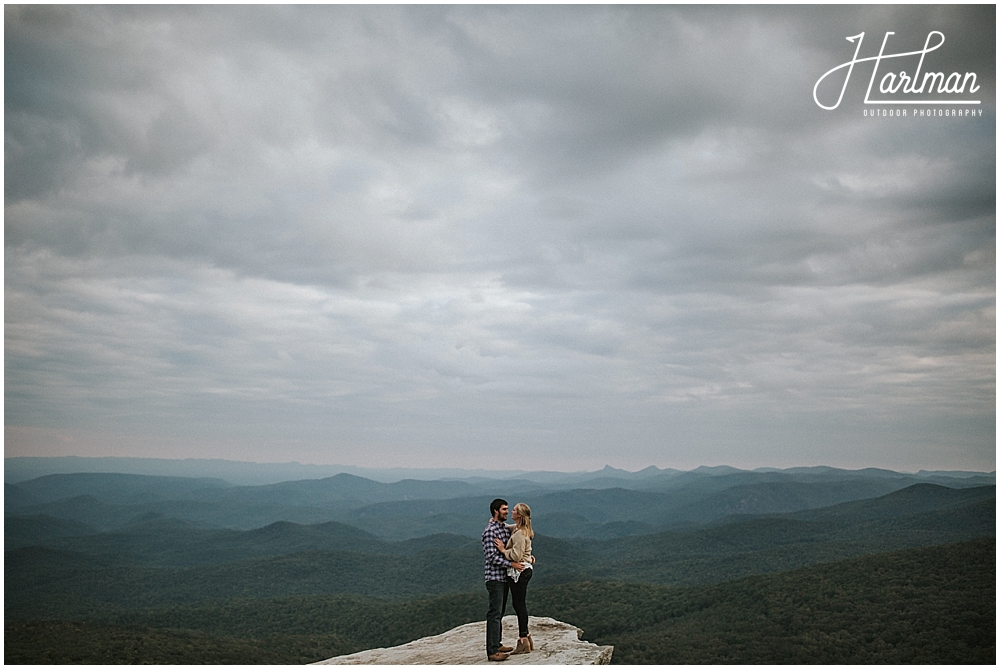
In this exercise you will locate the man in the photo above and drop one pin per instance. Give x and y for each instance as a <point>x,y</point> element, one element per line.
<point>496,579</point>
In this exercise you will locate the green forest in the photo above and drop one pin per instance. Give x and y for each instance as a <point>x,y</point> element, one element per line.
<point>916,606</point>
<point>902,578</point>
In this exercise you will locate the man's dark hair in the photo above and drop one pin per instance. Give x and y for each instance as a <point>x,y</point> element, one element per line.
<point>495,506</point>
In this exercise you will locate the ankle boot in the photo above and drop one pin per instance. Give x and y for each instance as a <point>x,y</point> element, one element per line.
<point>522,647</point>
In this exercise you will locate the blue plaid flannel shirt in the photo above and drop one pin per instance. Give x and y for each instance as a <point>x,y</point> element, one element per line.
<point>496,563</point>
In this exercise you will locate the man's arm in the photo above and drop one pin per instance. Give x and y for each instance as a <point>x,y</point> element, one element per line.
<point>492,554</point>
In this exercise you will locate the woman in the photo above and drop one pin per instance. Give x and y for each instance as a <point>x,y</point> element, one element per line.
<point>518,549</point>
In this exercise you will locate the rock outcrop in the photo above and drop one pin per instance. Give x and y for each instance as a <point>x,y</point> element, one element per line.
<point>555,643</point>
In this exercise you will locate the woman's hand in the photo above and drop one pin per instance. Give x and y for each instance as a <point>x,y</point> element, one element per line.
<point>499,545</point>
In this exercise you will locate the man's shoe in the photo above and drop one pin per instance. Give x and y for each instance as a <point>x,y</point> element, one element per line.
<point>497,657</point>
<point>505,649</point>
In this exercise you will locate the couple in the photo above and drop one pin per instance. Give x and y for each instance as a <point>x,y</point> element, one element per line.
<point>508,566</point>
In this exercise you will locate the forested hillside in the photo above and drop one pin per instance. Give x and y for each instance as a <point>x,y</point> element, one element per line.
<point>145,575</point>
<point>919,606</point>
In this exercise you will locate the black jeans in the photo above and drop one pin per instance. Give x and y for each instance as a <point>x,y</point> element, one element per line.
<point>518,592</point>
<point>494,622</point>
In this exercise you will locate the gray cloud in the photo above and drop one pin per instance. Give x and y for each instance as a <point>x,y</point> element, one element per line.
<point>416,235</point>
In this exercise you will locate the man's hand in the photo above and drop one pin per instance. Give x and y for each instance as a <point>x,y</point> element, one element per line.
<point>517,565</point>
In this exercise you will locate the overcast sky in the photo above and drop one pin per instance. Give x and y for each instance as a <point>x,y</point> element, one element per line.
<point>496,236</point>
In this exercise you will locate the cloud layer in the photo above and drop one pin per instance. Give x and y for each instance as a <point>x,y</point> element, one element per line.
<point>418,236</point>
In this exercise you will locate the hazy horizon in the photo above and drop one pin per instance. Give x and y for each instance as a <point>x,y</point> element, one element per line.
<point>91,464</point>
<point>497,237</point>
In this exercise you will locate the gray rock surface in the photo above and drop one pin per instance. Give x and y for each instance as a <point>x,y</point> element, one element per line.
<point>555,643</point>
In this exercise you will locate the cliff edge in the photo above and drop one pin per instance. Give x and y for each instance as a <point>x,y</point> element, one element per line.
<point>555,643</point>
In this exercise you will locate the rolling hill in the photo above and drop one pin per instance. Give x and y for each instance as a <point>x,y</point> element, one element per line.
<point>607,504</point>
<point>716,565</point>
<point>165,562</point>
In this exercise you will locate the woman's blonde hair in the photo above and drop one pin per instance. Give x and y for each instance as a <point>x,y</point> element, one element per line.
<point>524,519</point>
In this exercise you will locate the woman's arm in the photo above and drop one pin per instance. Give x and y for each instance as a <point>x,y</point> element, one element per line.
<point>517,547</point>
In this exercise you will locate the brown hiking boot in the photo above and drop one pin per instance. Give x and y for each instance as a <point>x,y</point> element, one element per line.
<point>522,647</point>
<point>505,649</point>
<point>497,657</point>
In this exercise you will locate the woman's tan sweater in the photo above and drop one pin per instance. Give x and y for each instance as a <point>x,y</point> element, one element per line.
<point>518,547</point>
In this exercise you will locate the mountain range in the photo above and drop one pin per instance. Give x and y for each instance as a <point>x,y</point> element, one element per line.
<point>573,506</point>
<point>56,565</point>
<point>85,550</point>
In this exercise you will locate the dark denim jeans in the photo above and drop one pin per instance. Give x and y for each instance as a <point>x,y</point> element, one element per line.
<point>518,593</point>
<point>494,616</point>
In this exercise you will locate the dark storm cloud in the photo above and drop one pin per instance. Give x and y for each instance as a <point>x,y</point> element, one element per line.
<point>428,231</point>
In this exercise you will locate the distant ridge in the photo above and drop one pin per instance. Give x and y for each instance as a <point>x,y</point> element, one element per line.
<point>19,469</point>
<point>718,470</point>
<point>961,474</point>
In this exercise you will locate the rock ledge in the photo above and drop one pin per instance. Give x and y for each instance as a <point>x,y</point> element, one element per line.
<point>555,643</point>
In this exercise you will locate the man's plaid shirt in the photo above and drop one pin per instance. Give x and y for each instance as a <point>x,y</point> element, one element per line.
<point>496,563</point>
